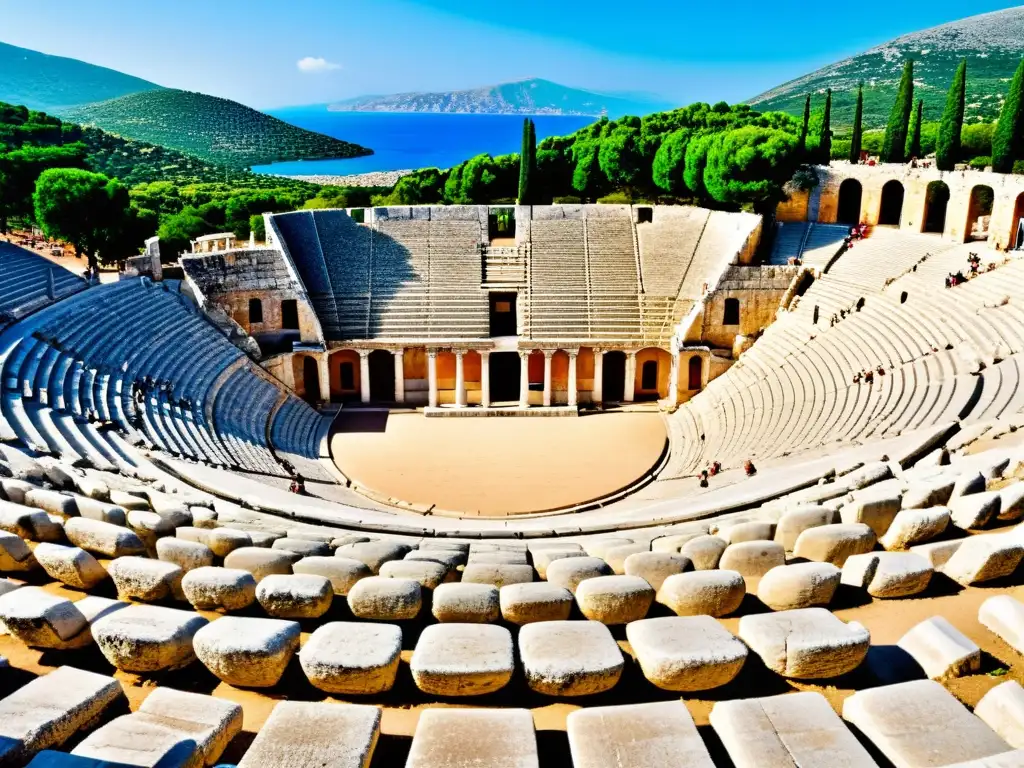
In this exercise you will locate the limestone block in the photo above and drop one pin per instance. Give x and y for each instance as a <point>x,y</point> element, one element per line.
<point>462,659</point>
<point>219,589</point>
<point>655,735</point>
<point>352,658</point>
<point>570,571</point>
<point>672,544</point>
<point>1011,502</point>
<point>1002,709</point>
<point>975,510</point>
<point>300,734</point>
<point>614,599</point>
<point>834,543</point>
<point>914,526</point>
<point>383,599</point>
<point>466,603</point>
<point>51,502</point>
<point>50,709</point>
<point>928,492</point>
<point>303,547</point>
<point>149,526</point>
<point>342,572</point>
<point>869,474</point>
<point>15,556</point>
<point>968,483</point>
<point>70,565</point>
<point>752,558</point>
<point>875,507</point>
<point>498,575</point>
<point>128,501</point>
<point>295,596</point>
<point>896,718</point>
<point>599,547</point>
<point>203,518</point>
<point>187,555</point>
<point>444,544</point>
<point>801,585</point>
<point>940,649</point>
<point>147,638</point>
<point>754,530</point>
<point>248,653</point>
<point>805,644</point>
<point>655,567</point>
<point>569,658</point>
<point>261,562</point>
<point>798,520</point>
<point>1004,616</point>
<point>616,556</point>
<point>794,729</point>
<point>14,490</point>
<point>482,738</point>
<point>102,511</point>
<point>221,541</point>
<point>448,558</point>
<point>543,558</point>
<point>42,620</point>
<point>704,552</point>
<point>938,552</point>
<point>691,653</point>
<point>984,558</point>
<point>212,722</point>
<point>373,553</point>
<point>101,538</point>
<point>28,523</point>
<point>497,558</point>
<point>531,602</point>
<point>428,573</point>
<point>143,740</point>
<point>139,578</point>
<point>888,574</point>
<point>714,593</point>
<point>263,539</point>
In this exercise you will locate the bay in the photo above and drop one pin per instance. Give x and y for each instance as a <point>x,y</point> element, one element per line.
<point>407,140</point>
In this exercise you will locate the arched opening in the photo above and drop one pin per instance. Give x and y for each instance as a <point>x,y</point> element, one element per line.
<point>382,376</point>
<point>311,379</point>
<point>344,371</point>
<point>644,215</point>
<point>732,312</point>
<point>979,214</point>
<point>613,377</point>
<point>696,373</point>
<point>890,213</point>
<point>1016,241</point>
<point>850,196</point>
<point>290,315</point>
<point>255,311</point>
<point>653,366</point>
<point>936,202</point>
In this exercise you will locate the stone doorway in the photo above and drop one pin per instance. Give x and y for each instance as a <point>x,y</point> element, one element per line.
<point>382,376</point>
<point>613,380</point>
<point>505,372</point>
<point>311,380</point>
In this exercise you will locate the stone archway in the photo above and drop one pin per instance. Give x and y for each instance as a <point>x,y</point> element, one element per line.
<point>311,379</point>
<point>890,211</point>
<point>936,202</point>
<point>979,213</point>
<point>851,194</point>
<point>613,380</point>
<point>695,374</point>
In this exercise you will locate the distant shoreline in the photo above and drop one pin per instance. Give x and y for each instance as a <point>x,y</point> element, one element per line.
<point>373,179</point>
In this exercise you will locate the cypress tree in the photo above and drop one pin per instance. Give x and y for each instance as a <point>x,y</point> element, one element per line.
<point>825,137</point>
<point>899,119</point>
<point>947,150</point>
<point>802,146</point>
<point>1008,141</point>
<point>914,139</point>
<point>527,162</point>
<point>858,127</point>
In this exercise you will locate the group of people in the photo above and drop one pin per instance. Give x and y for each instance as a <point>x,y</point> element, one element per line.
<point>868,376</point>
<point>858,232</point>
<point>973,270</point>
<point>714,467</point>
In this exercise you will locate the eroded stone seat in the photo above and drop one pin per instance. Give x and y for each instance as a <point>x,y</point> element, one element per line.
<point>249,653</point>
<point>302,547</point>
<point>373,553</point>
<point>798,520</point>
<point>148,638</point>
<point>712,593</point>
<point>888,574</point>
<point>295,596</point>
<point>537,601</point>
<point>40,619</point>
<point>352,658</point>
<point>691,653</point>
<point>261,562</point>
<point>940,649</point>
<point>15,555</point>
<point>655,567</point>
<point>342,572</point>
<point>569,658</point>
<point>466,603</point>
<point>219,589</point>
<point>70,565</point>
<point>570,571</point>
<point>1004,615</point>
<point>383,599</point>
<point>752,559</point>
<point>984,558</point>
<point>1002,710</point>
<point>542,558</point>
<point>834,543</point>
<point>28,523</point>
<point>875,507</point>
<point>221,541</point>
<point>915,526</point>
<point>801,585</point>
<point>482,738</point>
<point>139,578</point>
<point>462,659</point>
<point>805,644</point>
<point>975,510</point>
<point>187,555</point>
<point>614,599</point>
<point>427,572</point>
<point>704,551</point>
<point>498,575</point>
<point>101,538</point>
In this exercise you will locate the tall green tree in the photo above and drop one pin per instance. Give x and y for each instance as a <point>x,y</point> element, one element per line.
<point>899,119</point>
<point>527,163</point>
<point>670,162</point>
<point>857,138</point>
<point>21,168</point>
<point>802,144</point>
<point>914,137</point>
<point>1008,141</point>
<point>825,133</point>
<point>751,165</point>
<point>951,126</point>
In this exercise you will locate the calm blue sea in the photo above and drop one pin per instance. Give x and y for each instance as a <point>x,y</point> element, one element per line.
<point>404,140</point>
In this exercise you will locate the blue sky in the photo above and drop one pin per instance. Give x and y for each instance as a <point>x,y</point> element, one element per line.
<point>250,50</point>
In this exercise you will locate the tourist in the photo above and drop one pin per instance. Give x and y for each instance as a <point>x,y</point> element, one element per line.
<point>856,378</point>
<point>881,371</point>
<point>749,468</point>
<point>703,478</point>
<point>869,377</point>
<point>716,467</point>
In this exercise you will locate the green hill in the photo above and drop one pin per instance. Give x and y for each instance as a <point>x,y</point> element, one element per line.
<point>992,43</point>
<point>49,83</point>
<point>213,129</point>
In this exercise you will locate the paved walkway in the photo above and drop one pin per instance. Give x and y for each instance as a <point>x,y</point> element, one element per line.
<point>496,466</point>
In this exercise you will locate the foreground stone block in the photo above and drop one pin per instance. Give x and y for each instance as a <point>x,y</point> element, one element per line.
<point>70,565</point>
<point>598,548</point>
<point>139,578</point>
<point>888,574</point>
<point>28,523</point>
<point>462,659</point>
<point>711,593</point>
<point>211,722</point>
<point>795,729</point>
<point>383,599</point>
<point>915,526</point>
<point>428,573</point>
<point>482,738</point>
<point>497,558</point>
<point>446,557</point>
<point>103,538</point>
<point>569,658</point>
<point>655,567</point>
<point>149,526</point>
<point>570,571</point>
<point>974,511</point>
<point>40,619</point>
<point>805,644</point>
<point>693,653</point>
<point>657,735</point>
<point>15,555</point>
<point>187,555</point>
<point>248,653</point>
<point>895,718</point>
<point>616,556</point>
<point>753,530</point>
<point>937,553</point>
<point>1002,710</point>
<point>352,658</point>
<point>219,589</point>
<point>543,558</point>
<point>373,553</point>
<point>1004,616</point>
<point>303,547</point>
<point>261,562</point>
<point>1011,502</point>
<point>940,649</point>
<point>144,741</point>
<point>968,483</point>
<point>148,638</point>
<point>752,559</point>
<point>532,602</point>
<point>798,520</point>
<point>300,734</point>
<point>875,507</point>
<point>298,596</point>
<point>801,585</point>
<point>928,492</point>
<point>498,575</point>
<point>221,541</point>
<point>466,603</point>
<point>704,552</point>
<point>342,572</point>
<point>614,599</point>
<point>984,558</point>
<point>834,543</point>
<point>49,710</point>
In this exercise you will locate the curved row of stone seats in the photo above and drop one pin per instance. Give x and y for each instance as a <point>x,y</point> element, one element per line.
<point>241,413</point>
<point>611,254</point>
<point>29,282</point>
<point>667,247</point>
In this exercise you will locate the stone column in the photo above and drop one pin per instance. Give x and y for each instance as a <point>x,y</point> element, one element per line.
<point>432,377</point>
<point>547,377</point>
<point>485,379</point>
<point>573,395</point>
<point>524,379</point>
<point>325,377</point>
<point>598,393</point>
<point>364,375</point>
<point>460,380</point>
<point>673,379</point>
<point>399,375</point>
<point>630,376</point>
